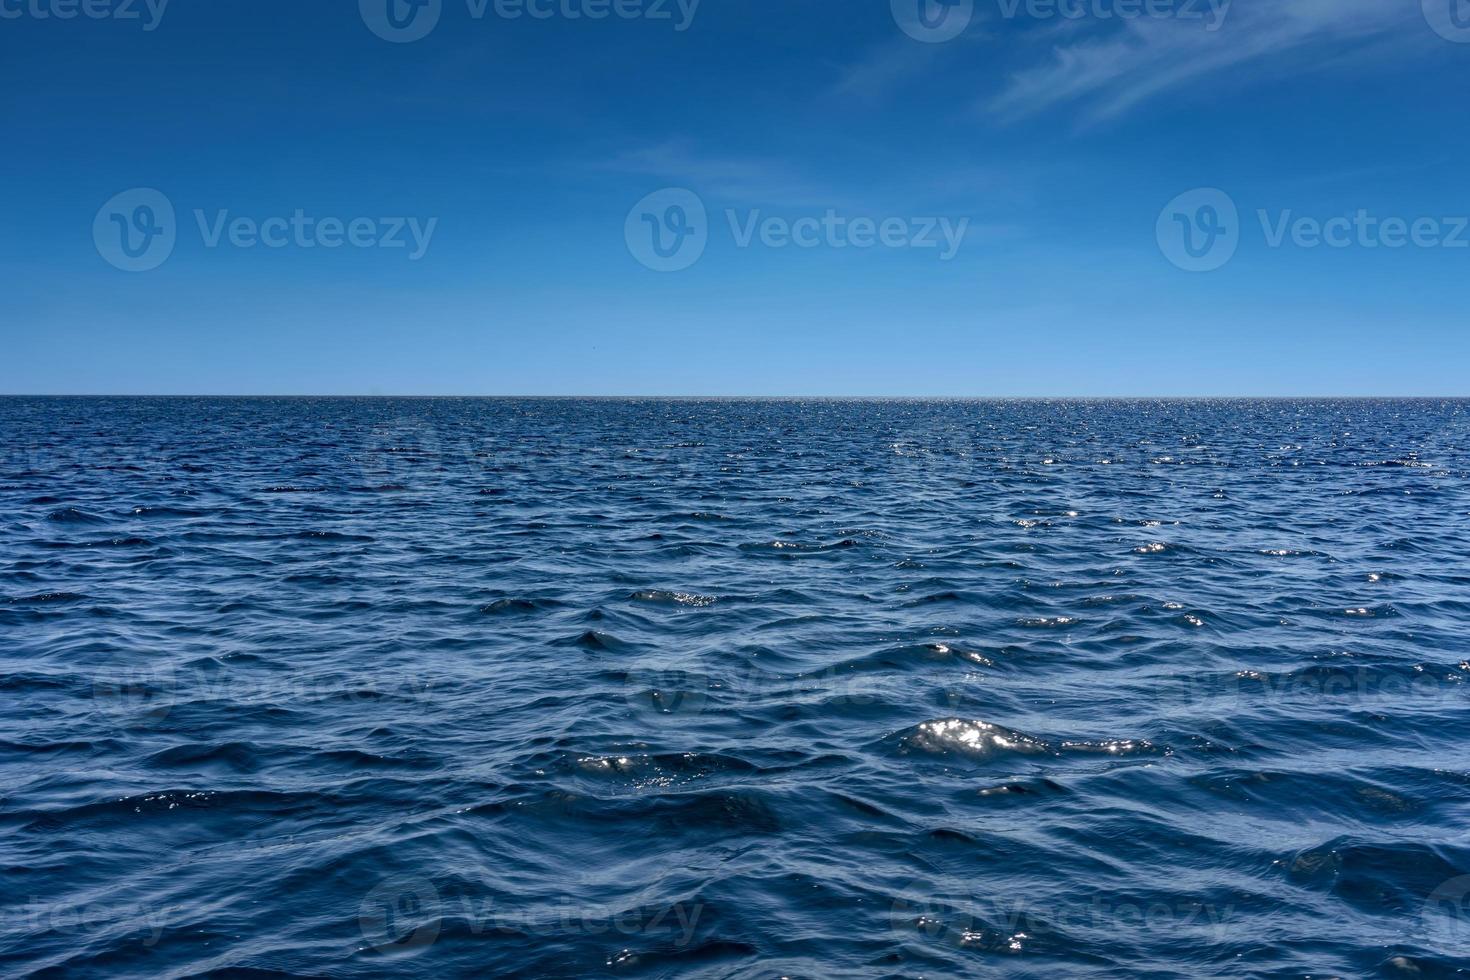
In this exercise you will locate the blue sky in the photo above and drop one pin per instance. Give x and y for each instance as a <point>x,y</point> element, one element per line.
<point>525,144</point>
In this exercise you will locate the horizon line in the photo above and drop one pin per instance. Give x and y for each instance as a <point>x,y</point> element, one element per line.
<point>729,397</point>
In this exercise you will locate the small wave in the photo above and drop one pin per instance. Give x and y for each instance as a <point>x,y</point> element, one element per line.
<point>1029,788</point>
<point>663,598</point>
<point>1370,612</point>
<point>935,598</point>
<point>904,658</point>
<point>123,542</point>
<point>331,536</point>
<point>512,606</point>
<point>236,802</point>
<point>29,682</point>
<point>237,756</point>
<point>168,513</point>
<point>57,748</point>
<point>595,640</point>
<point>46,598</point>
<point>1048,622</point>
<point>683,765</point>
<point>983,740</point>
<point>977,739</point>
<point>73,515</point>
<point>788,549</point>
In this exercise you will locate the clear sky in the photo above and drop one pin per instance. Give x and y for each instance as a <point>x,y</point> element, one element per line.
<point>873,197</point>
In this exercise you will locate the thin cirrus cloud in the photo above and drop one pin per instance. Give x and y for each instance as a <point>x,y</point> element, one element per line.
<point>732,178</point>
<point>1139,60</point>
<point>963,189</point>
<point>874,78</point>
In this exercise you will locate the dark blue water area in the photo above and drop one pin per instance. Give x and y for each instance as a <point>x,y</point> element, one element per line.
<point>729,688</point>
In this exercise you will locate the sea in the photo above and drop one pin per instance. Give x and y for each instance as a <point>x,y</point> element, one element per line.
<point>734,688</point>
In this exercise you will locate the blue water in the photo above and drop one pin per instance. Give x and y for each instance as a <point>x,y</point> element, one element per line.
<point>734,688</point>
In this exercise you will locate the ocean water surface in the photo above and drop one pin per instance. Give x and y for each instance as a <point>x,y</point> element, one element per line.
<point>664,688</point>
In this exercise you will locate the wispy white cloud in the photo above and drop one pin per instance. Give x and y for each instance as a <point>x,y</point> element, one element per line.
<point>1141,59</point>
<point>885,68</point>
<point>988,195</point>
<point>888,67</point>
<point>731,177</point>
